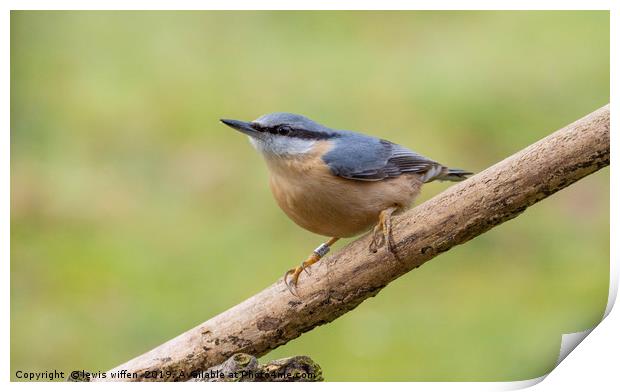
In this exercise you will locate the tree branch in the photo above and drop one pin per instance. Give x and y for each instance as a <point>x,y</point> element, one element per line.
<point>244,367</point>
<point>342,281</point>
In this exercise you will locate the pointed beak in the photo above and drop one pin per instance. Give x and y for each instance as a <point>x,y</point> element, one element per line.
<point>240,126</point>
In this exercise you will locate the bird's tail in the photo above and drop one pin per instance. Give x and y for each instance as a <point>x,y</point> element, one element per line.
<point>448,174</point>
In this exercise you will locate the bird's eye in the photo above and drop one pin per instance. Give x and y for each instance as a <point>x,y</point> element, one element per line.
<point>284,130</point>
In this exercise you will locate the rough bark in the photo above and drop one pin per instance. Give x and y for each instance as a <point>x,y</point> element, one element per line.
<point>343,280</point>
<point>244,367</point>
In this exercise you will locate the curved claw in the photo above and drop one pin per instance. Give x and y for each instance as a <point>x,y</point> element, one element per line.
<point>292,284</point>
<point>295,272</point>
<point>306,270</point>
<point>378,239</point>
<point>382,233</point>
<point>316,255</point>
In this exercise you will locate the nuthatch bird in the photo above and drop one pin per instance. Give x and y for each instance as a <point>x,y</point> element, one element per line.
<point>338,183</point>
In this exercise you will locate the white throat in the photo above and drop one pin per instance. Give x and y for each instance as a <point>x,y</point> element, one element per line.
<point>282,145</point>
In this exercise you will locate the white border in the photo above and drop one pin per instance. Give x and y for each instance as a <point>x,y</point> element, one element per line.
<point>593,364</point>
<point>310,5</point>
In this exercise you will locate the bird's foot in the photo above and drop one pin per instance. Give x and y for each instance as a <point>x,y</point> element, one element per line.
<point>382,233</point>
<point>294,273</point>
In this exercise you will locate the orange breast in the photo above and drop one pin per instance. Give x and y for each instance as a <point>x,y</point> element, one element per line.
<point>332,206</point>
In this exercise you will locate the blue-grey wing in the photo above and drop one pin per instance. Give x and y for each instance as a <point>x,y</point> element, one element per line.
<point>364,158</point>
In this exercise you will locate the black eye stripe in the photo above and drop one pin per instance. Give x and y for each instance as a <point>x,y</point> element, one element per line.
<point>307,134</point>
<point>291,131</point>
<point>257,127</point>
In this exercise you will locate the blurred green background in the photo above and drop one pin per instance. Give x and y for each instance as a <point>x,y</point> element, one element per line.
<point>136,215</point>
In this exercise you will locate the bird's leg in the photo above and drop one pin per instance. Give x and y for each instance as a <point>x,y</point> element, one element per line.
<point>316,255</point>
<point>382,233</point>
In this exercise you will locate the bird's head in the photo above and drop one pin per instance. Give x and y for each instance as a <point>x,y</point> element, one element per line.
<point>282,133</point>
